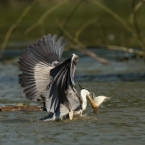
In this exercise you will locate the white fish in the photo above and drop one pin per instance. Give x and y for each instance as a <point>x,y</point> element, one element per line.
<point>98,101</point>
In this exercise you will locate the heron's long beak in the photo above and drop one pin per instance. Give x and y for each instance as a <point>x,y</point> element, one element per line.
<point>95,108</point>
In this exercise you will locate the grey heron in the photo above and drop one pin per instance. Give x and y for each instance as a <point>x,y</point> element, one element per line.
<point>45,78</point>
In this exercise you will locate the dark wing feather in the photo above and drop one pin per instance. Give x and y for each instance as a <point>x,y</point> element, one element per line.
<point>36,62</point>
<point>61,84</point>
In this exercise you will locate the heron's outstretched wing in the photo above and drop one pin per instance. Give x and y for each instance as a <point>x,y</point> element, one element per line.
<point>61,90</point>
<point>36,62</point>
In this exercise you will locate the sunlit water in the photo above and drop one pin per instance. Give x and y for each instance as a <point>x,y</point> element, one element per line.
<point>121,120</point>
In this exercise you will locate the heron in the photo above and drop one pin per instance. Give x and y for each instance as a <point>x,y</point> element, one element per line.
<point>47,79</point>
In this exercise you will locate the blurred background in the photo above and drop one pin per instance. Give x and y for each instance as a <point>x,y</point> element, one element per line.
<point>109,37</point>
<point>110,24</point>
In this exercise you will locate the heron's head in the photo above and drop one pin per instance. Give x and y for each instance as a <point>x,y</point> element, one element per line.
<point>86,94</point>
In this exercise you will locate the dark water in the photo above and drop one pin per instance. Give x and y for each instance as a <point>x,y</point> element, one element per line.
<point>121,120</point>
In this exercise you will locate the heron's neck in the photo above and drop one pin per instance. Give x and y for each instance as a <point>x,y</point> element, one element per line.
<point>84,101</point>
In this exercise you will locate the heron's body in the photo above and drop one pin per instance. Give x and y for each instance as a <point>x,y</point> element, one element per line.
<point>45,78</point>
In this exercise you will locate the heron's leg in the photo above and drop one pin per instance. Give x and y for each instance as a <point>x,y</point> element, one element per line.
<point>81,112</point>
<point>71,113</point>
<point>44,107</point>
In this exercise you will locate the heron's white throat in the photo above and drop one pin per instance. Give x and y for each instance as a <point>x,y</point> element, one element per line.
<point>84,94</point>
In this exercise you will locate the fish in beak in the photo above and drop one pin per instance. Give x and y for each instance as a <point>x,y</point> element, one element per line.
<point>96,101</point>
<point>94,106</point>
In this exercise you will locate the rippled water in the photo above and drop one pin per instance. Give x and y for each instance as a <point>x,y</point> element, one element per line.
<point>121,120</point>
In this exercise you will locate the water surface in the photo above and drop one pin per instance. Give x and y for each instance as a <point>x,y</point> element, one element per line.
<point>121,120</point>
